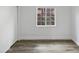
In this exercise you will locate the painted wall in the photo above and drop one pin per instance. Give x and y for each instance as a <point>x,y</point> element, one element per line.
<point>27,24</point>
<point>8,18</point>
<point>75,24</point>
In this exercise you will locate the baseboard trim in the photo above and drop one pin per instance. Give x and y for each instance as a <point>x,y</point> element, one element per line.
<point>44,39</point>
<point>52,37</point>
<point>10,46</point>
<point>76,42</point>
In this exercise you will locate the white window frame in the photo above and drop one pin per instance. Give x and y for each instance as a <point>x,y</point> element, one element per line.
<point>45,21</point>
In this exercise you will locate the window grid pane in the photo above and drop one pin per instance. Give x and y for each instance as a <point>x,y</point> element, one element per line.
<point>45,16</point>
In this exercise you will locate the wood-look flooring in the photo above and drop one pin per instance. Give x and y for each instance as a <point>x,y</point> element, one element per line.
<point>44,46</point>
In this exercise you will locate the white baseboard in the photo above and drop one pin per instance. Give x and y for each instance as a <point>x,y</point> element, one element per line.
<point>51,37</point>
<point>76,42</point>
<point>10,46</point>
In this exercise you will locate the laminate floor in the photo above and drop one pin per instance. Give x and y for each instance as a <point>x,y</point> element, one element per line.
<point>44,46</point>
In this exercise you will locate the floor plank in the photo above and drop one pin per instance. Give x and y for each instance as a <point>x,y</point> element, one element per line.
<point>44,46</point>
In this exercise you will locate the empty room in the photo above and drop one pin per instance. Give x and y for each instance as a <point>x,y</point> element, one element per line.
<point>39,29</point>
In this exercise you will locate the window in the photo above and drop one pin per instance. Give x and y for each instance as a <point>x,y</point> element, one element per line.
<point>46,17</point>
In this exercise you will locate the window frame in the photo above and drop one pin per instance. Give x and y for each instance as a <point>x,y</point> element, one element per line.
<point>45,17</point>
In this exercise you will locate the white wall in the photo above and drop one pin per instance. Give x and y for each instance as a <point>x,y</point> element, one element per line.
<point>27,24</point>
<point>8,18</point>
<point>27,27</point>
<point>75,24</point>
